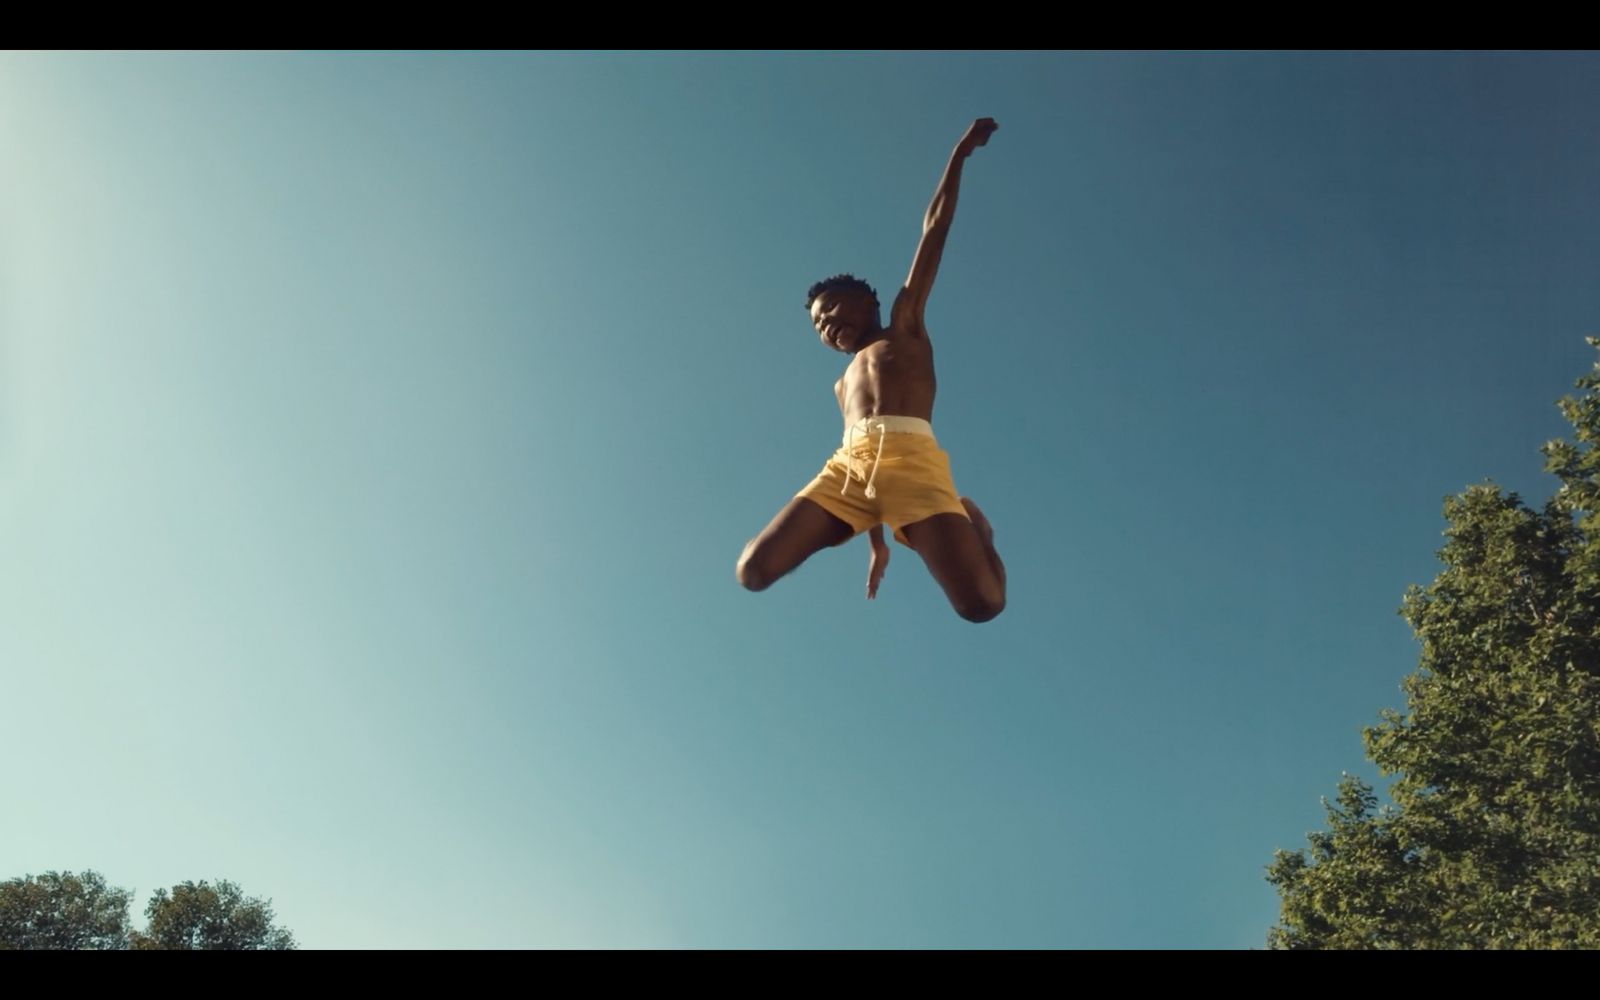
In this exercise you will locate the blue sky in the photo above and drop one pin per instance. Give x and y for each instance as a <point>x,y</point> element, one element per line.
<point>378,433</point>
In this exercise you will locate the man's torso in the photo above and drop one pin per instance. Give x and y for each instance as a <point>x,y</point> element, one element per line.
<point>893,376</point>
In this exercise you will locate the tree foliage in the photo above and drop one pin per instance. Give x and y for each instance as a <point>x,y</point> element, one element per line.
<point>64,911</point>
<point>204,917</point>
<point>1493,837</point>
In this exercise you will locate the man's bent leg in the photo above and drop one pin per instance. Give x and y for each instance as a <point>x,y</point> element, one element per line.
<point>801,529</point>
<point>961,556</point>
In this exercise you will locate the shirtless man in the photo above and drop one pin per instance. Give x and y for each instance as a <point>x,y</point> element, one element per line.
<point>890,469</point>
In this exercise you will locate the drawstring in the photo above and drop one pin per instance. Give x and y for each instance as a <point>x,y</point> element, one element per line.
<point>849,452</point>
<point>871,490</point>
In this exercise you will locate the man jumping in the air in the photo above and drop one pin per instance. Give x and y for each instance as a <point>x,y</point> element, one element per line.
<point>890,469</point>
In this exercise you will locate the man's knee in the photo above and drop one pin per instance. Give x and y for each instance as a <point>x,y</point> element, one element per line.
<point>752,573</point>
<point>981,605</point>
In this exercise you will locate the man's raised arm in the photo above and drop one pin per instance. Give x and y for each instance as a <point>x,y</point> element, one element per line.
<point>913,298</point>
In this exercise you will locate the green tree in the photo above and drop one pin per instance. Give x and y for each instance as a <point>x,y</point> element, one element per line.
<point>60,910</point>
<point>1493,840</point>
<point>204,917</point>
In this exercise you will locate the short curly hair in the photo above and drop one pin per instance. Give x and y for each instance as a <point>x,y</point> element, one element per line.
<point>845,281</point>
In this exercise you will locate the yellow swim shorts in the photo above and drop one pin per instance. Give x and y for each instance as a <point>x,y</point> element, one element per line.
<point>889,470</point>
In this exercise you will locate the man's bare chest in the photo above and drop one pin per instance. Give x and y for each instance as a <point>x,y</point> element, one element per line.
<point>884,366</point>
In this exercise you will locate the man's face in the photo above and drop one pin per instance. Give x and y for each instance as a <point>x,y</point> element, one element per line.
<point>844,318</point>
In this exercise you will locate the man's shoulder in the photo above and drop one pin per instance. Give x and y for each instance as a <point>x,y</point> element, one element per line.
<point>907,330</point>
<point>905,320</point>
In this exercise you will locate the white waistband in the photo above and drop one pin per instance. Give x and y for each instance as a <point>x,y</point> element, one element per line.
<point>866,426</point>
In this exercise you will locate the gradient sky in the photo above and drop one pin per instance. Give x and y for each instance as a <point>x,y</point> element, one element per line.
<point>378,433</point>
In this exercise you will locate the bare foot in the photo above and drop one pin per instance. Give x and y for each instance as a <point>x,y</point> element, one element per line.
<point>985,529</point>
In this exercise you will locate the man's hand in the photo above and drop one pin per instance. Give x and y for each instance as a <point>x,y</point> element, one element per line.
<point>977,135</point>
<point>880,561</point>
